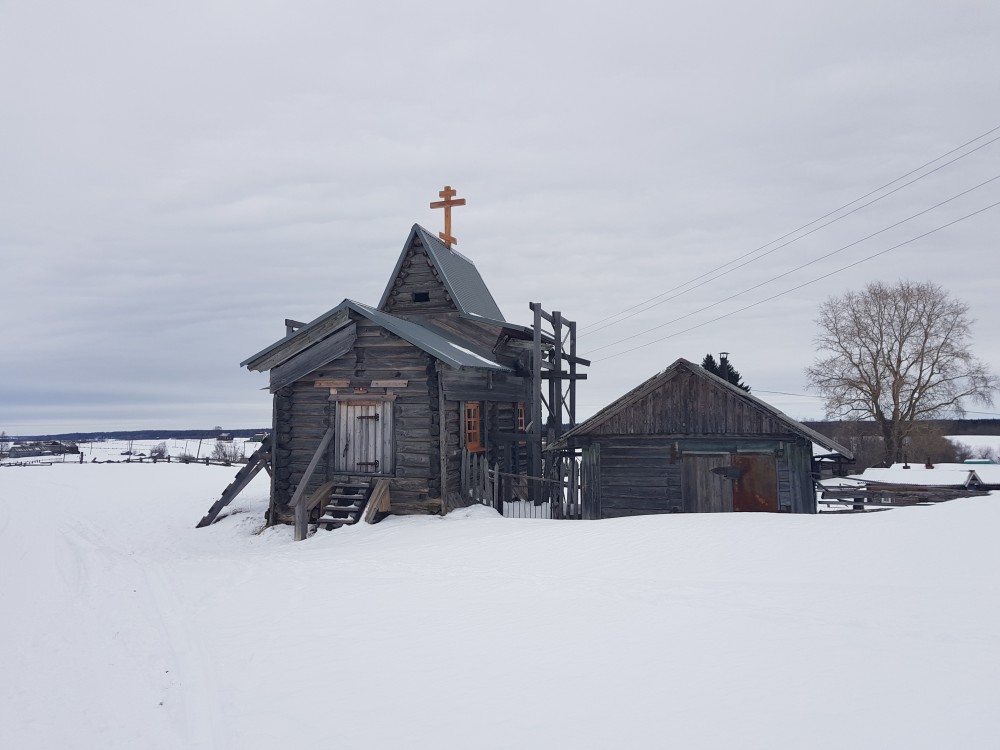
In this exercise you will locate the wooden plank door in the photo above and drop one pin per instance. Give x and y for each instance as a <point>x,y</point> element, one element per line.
<point>756,488</point>
<point>364,437</point>
<point>705,485</point>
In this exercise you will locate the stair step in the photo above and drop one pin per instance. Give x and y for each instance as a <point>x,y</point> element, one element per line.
<point>326,519</point>
<point>342,508</point>
<point>334,496</point>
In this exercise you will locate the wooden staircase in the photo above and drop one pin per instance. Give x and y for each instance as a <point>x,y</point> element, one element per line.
<point>343,503</point>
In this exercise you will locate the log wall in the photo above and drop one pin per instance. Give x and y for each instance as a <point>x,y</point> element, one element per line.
<point>639,476</point>
<point>687,404</point>
<point>418,276</point>
<point>303,411</point>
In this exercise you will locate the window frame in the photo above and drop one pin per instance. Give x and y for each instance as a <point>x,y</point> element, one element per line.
<point>472,427</point>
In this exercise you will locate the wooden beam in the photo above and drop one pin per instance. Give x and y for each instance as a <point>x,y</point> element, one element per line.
<point>301,514</point>
<point>379,501</point>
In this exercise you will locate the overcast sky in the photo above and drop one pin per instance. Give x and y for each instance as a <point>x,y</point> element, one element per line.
<point>177,179</point>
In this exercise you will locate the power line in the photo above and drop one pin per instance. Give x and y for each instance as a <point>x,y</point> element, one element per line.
<point>786,393</point>
<point>797,268</point>
<point>596,326</point>
<point>776,248</point>
<point>805,284</point>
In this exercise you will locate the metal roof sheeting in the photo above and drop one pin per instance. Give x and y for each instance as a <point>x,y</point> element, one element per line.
<point>444,345</point>
<point>450,348</point>
<point>460,276</point>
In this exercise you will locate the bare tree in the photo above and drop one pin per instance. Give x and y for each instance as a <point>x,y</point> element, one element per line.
<point>231,452</point>
<point>4,442</point>
<point>897,355</point>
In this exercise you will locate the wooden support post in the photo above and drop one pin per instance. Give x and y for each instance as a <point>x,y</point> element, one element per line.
<point>535,442</point>
<point>572,374</point>
<point>557,397</point>
<point>574,508</point>
<point>443,441</point>
<point>269,520</point>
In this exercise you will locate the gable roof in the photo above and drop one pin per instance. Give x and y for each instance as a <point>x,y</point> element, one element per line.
<point>459,274</point>
<point>445,346</point>
<point>683,365</point>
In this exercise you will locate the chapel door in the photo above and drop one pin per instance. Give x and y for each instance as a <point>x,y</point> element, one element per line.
<point>756,485</point>
<point>706,485</point>
<point>364,437</point>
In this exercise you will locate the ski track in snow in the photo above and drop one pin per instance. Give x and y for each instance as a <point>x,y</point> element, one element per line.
<point>125,627</point>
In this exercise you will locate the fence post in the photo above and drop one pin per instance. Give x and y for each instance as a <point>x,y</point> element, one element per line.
<point>485,486</point>
<point>465,475</point>
<point>496,488</point>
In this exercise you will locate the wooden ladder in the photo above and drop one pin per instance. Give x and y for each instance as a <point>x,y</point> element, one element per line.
<point>259,459</point>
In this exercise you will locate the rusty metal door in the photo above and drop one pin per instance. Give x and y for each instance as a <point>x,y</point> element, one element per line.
<point>756,487</point>
<point>364,437</point>
<point>707,487</point>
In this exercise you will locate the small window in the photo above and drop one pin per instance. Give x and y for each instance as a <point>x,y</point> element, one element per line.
<point>421,296</point>
<point>521,422</point>
<point>473,427</point>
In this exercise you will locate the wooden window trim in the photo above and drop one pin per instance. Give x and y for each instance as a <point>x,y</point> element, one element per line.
<point>473,425</point>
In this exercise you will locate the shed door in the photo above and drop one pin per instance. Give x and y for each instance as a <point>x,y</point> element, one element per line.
<point>364,437</point>
<point>706,485</point>
<point>756,488</point>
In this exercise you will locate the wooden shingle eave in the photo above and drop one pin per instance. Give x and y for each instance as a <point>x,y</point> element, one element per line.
<point>297,341</point>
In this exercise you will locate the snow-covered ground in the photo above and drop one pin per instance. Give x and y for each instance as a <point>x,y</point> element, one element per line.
<point>125,627</point>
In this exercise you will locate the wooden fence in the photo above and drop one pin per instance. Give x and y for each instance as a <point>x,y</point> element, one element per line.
<point>509,493</point>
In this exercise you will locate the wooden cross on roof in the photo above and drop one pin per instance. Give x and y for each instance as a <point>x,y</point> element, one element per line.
<point>449,200</point>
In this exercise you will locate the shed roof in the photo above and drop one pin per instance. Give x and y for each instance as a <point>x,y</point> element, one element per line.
<point>640,391</point>
<point>448,347</point>
<point>460,276</point>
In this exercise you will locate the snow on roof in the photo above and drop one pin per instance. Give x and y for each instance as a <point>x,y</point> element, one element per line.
<point>926,478</point>
<point>987,473</point>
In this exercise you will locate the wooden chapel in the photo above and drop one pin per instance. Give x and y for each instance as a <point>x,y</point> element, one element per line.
<point>380,408</point>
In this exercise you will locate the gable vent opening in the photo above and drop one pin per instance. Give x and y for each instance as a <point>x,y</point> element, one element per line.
<point>421,296</point>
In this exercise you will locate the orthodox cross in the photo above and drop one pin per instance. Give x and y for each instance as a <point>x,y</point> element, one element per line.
<point>449,200</point>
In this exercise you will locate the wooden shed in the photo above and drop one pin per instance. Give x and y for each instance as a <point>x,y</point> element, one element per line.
<point>403,392</point>
<point>688,441</point>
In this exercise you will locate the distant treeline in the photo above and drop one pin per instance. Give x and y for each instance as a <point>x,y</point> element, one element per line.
<point>141,435</point>
<point>944,426</point>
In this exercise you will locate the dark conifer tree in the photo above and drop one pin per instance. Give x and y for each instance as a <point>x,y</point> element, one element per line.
<point>724,370</point>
